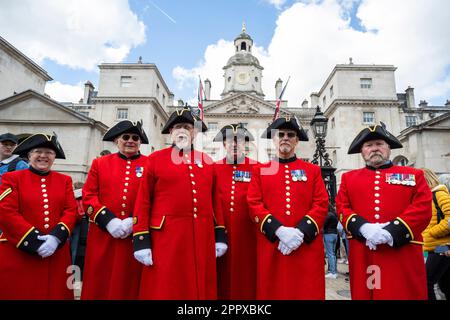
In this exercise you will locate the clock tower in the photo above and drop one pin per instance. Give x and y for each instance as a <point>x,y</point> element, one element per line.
<point>243,72</point>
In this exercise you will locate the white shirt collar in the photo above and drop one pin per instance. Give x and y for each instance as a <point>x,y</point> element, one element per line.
<point>8,160</point>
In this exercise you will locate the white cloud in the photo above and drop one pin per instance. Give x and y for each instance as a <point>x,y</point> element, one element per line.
<point>276,3</point>
<point>65,92</point>
<point>75,33</point>
<point>311,38</point>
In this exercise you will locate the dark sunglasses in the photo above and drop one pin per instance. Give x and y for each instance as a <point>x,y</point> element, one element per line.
<point>289,134</point>
<point>127,137</point>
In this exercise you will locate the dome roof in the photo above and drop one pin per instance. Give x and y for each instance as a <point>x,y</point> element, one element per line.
<point>243,57</point>
<point>243,35</point>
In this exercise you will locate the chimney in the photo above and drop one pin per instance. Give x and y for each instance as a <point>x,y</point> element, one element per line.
<point>305,104</point>
<point>180,103</point>
<point>314,99</point>
<point>423,104</point>
<point>170,102</point>
<point>410,101</point>
<point>88,88</point>
<point>278,88</point>
<point>207,89</point>
<point>447,103</point>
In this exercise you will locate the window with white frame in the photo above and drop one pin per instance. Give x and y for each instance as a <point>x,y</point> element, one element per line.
<point>368,117</point>
<point>324,101</point>
<point>125,81</point>
<point>122,113</point>
<point>366,83</point>
<point>411,121</point>
<point>155,120</point>
<point>213,126</point>
<point>157,90</point>
<point>331,92</point>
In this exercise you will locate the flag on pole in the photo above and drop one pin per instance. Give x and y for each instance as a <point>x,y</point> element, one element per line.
<point>200,98</point>
<point>278,103</point>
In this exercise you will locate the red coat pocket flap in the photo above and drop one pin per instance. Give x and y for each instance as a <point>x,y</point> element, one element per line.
<point>156,223</point>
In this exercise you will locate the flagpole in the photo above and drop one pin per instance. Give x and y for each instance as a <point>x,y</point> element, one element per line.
<point>278,102</point>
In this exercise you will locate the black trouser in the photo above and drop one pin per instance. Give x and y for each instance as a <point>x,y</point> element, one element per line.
<point>438,271</point>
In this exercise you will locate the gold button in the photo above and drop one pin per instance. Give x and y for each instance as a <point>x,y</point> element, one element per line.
<point>286,176</point>
<point>124,197</point>
<point>377,172</point>
<point>232,203</point>
<point>288,213</point>
<point>286,171</point>
<point>232,197</point>
<point>286,166</point>
<point>377,216</point>
<point>288,194</point>
<point>43,185</point>
<point>46,219</point>
<point>288,188</point>
<point>287,182</point>
<point>234,167</point>
<point>377,209</point>
<point>141,237</point>
<point>125,190</point>
<point>45,195</point>
<point>288,206</point>
<point>377,188</point>
<point>25,243</point>
<point>44,190</point>
<point>129,162</point>
<point>186,156</point>
<point>45,206</point>
<point>193,183</point>
<point>123,205</point>
<point>45,200</point>
<point>128,167</point>
<point>122,212</point>
<point>195,209</point>
<point>377,182</point>
<point>194,191</point>
<point>126,184</point>
<point>288,200</point>
<point>103,212</point>
<point>190,167</point>
<point>353,219</point>
<point>308,221</point>
<point>269,220</point>
<point>377,201</point>
<point>231,209</point>
<point>46,212</point>
<point>232,192</point>
<point>396,222</point>
<point>195,200</point>
<point>127,178</point>
<point>407,235</point>
<point>46,226</point>
<point>233,182</point>
<point>43,180</point>
<point>256,219</point>
<point>378,177</point>
<point>195,215</point>
<point>192,175</point>
<point>232,187</point>
<point>127,172</point>
<point>377,195</point>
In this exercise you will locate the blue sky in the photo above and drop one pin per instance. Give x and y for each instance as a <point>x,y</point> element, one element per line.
<point>302,39</point>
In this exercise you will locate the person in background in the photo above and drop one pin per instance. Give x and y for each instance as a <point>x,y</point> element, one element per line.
<point>236,269</point>
<point>329,240</point>
<point>437,234</point>
<point>384,208</point>
<point>37,215</point>
<point>8,161</point>
<point>110,272</point>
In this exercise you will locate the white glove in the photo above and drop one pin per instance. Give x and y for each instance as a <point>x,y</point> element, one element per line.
<point>144,256</point>
<point>291,237</point>
<point>382,236</point>
<point>127,225</point>
<point>284,249</point>
<point>49,246</point>
<point>368,230</point>
<point>115,228</point>
<point>221,248</point>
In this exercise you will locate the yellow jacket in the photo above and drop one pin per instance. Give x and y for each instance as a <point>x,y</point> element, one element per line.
<point>438,234</point>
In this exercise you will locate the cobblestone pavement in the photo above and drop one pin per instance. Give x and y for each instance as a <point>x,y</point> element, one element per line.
<point>339,288</point>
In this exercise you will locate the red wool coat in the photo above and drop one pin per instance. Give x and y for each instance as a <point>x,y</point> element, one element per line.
<point>291,194</point>
<point>175,217</point>
<point>110,270</point>
<point>369,195</point>
<point>32,205</point>
<point>236,270</point>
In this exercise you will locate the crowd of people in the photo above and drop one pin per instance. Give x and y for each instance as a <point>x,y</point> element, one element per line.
<point>177,225</point>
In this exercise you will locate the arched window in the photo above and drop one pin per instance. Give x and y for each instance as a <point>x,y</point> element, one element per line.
<point>243,46</point>
<point>400,161</point>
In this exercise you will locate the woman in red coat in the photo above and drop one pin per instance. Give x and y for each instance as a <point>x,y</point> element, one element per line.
<point>236,269</point>
<point>38,212</point>
<point>110,272</point>
<point>288,202</point>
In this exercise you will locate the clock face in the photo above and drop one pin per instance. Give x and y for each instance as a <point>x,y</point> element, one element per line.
<point>243,78</point>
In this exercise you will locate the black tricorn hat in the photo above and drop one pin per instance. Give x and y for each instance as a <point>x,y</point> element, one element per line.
<point>374,133</point>
<point>182,116</point>
<point>286,123</point>
<point>126,126</point>
<point>234,130</point>
<point>40,140</point>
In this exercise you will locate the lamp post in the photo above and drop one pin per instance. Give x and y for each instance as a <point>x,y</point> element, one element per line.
<point>319,124</point>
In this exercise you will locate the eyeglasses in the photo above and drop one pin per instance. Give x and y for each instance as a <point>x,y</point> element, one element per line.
<point>288,134</point>
<point>46,153</point>
<point>127,137</point>
<point>186,126</point>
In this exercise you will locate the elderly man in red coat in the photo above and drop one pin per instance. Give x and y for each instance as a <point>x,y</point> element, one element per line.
<point>37,215</point>
<point>236,269</point>
<point>385,208</point>
<point>110,272</point>
<point>288,203</point>
<point>178,228</point>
